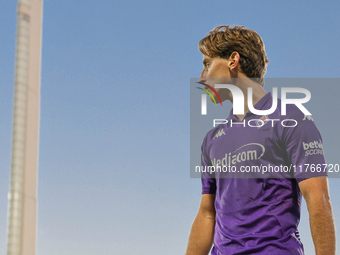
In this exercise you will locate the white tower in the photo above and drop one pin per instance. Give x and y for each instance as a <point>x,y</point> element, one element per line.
<point>22,205</point>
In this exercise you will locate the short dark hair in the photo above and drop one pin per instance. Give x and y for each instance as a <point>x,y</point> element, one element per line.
<point>222,41</point>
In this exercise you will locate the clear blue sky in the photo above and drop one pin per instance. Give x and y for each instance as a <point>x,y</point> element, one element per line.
<point>114,138</point>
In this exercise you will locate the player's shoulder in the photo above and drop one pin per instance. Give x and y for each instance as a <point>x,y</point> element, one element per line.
<point>294,112</point>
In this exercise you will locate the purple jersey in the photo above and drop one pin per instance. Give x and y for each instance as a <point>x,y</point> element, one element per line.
<point>260,215</point>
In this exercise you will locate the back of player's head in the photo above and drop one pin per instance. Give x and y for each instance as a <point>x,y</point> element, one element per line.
<point>222,41</point>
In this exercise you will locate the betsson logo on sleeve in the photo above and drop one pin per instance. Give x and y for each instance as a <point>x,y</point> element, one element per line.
<point>313,148</point>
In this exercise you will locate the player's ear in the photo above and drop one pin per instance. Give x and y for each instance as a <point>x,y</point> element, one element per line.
<point>234,60</point>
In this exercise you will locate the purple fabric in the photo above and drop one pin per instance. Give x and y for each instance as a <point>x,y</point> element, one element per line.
<point>260,215</point>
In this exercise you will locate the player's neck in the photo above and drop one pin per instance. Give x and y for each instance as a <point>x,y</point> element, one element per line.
<point>258,93</point>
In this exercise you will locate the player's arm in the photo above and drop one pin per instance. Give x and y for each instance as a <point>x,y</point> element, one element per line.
<point>316,193</point>
<point>202,230</point>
